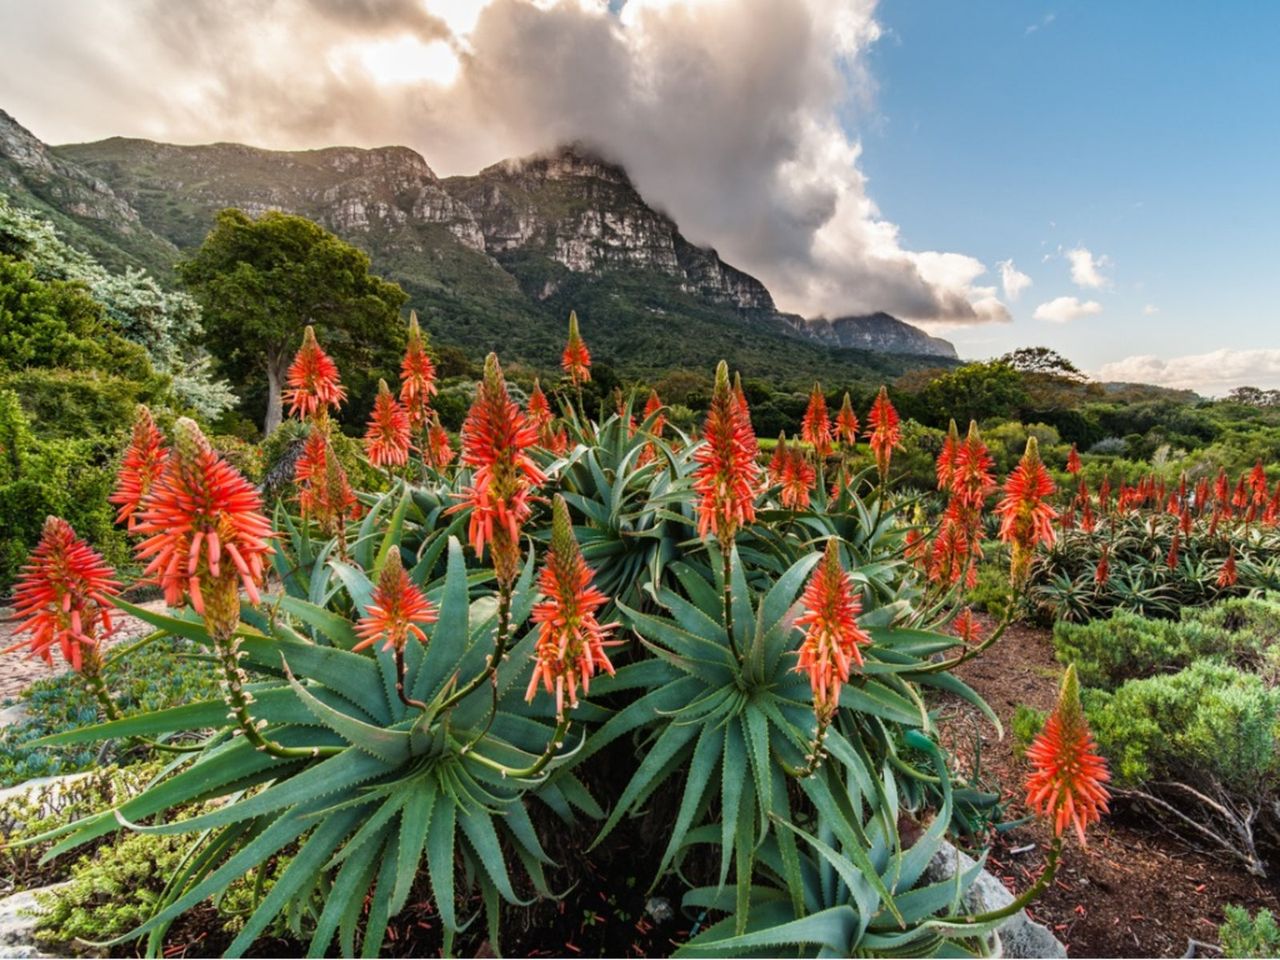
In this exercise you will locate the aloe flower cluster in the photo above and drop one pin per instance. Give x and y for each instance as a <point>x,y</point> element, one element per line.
<point>397,610</point>
<point>815,428</point>
<point>728,476</point>
<point>576,358</point>
<point>387,437</point>
<point>571,640</point>
<point>1067,782</point>
<point>62,598</point>
<point>141,466</point>
<point>832,637</point>
<point>206,535</point>
<point>314,383</point>
<point>324,490</point>
<point>884,432</point>
<point>496,438</point>
<point>417,377</point>
<point>1026,517</point>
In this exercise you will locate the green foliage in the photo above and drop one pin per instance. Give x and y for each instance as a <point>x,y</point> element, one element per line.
<point>974,392</point>
<point>1026,725</point>
<point>1208,723</point>
<point>262,281</point>
<point>1243,935</point>
<point>63,477</point>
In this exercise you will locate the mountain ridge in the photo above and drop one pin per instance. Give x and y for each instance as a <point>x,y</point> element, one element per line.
<point>492,261</point>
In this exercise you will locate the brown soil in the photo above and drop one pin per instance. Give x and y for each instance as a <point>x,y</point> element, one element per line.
<point>1137,891</point>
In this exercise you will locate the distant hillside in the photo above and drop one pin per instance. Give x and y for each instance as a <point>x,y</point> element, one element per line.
<point>492,261</point>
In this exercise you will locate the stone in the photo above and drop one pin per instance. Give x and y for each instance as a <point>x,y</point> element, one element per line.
<point>18,924</point>
<point>1020,936</point>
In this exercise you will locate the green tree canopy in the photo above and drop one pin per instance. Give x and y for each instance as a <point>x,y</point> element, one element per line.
<point>975,391</point>
<point>262,281</point>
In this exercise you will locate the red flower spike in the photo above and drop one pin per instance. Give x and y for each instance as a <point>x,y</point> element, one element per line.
<point>945,466</point>
<point>576,359</point>
<point>571,641</point>
<point>1228,575</point>
<point>538,407</point>
<point>815,428</point>
<point>778,462</point>
<point>1171,561</point>
<point>417,376</point>
<point>495,438</point>
<point>141,466</point>
<point>439,450</point>
<point>884,432</point>
<point>743,412</point>
<point>314,384</point>
<point>727,477</point>
<point>847,425</point>
<point>206,533</point>
<point>1258,484</point>
<point>1102,573</point>
<point>967,627</point>
<point>972,480</point>
<point>387,437</point>
<point>324,492</point>
<point>832,637</point>
<point>61,598</point>
<point>798,478</point>
<point>1026,519</point>
<point>396,611</point>
<point>1067,779</point>
<point>657,424</point>
<point>951,548</point>
<point>1073,461</point>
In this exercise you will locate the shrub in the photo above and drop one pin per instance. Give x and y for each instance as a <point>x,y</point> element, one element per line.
<point>1122,647</point>
<point>1249,936</point>
<point>1026,725</point>
<point>1209,722</point>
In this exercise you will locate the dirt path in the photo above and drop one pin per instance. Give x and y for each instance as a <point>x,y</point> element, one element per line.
<point>20,669</point>
<point>1136,891</point>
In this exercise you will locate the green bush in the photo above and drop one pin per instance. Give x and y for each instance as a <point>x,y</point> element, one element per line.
<point>1242,631</point>
<point>1249,936</point>
<point>1027,724</point>
<point>1208,724</point>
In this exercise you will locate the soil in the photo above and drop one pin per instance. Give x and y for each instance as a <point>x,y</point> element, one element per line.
<point>1136,891</point>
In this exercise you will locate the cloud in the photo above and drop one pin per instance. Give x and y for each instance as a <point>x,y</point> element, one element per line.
<point>1215,373</point>
<point>1066,309</point>
<point>1150,310</point>
<point>1012,279</point>
<point>732,115</point>
<point>1086,270</point>
<point>1040,24</point>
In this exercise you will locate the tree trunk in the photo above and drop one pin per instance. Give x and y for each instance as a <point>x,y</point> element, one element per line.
<point>277,368</point>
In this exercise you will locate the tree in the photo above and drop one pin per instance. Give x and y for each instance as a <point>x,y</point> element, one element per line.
<point>261,282</point>
<point>975,391</point>
<point>1043,360</point>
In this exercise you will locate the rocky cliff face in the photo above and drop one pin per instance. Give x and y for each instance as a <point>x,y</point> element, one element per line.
<point>582,212</point>
<point>348,190</point>
<point>80,203</point>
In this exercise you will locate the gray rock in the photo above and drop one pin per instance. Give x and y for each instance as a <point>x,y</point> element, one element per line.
<point>1020,936</point>
<point>18,917</point>
<point>14,715</point>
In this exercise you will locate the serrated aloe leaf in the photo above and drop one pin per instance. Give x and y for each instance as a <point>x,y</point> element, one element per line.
<point>702,770</point>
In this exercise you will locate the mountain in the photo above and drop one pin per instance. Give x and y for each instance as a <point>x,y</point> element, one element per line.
<point>882,333</point>
<point>492,261</point>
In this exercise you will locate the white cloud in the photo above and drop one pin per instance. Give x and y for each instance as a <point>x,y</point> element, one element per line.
<point>1040,24</point>
<point>729,114</point>
<point>1086,270</point>
<point>1066,309</point>
<point>1215,373</point>
<point>1012,279</point>
<point>1150,310</point>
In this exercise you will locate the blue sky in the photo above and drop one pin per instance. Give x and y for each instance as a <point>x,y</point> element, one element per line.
<point>1148,133</point>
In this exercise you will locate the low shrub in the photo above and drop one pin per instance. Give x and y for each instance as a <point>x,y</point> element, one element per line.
<point>161,676</point>
<point>1249,936</point>
<point>1026,726</point>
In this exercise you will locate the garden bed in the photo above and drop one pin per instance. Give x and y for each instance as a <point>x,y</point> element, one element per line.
<point>1137,891</point>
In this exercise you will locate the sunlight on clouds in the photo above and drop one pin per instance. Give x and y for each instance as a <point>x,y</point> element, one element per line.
<point>1215,373</point>
<point>1066,309</point>
<point>406,60</point>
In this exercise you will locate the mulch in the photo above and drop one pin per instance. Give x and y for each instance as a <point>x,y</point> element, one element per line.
<point>1138,890</point>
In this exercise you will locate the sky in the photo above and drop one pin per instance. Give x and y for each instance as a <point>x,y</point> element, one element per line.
<point>1096,177</point>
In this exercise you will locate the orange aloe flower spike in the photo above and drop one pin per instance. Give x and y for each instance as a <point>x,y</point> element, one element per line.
<point>387,437</point>
<point>397,610</point>
<point>832,637</point>
<point>314,384</point>
<point>727,477</point>
<point>576,358</point>
<point>141,466</point>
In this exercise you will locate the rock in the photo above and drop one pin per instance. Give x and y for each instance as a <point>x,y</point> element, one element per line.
<point>18,924</point>
<point>14,715</point>
<point>1020,936</point>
